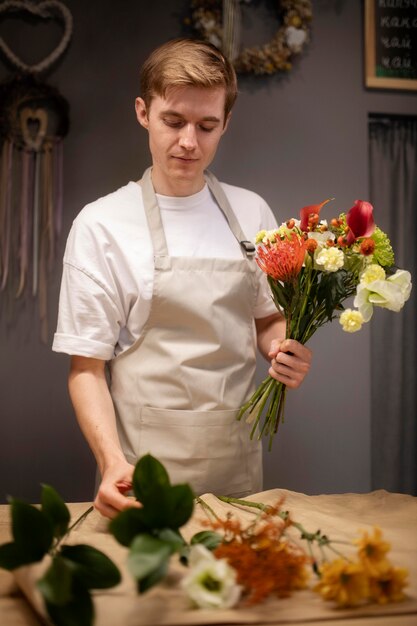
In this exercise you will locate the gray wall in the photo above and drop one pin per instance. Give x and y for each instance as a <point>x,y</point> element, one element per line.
<point>295,140</point>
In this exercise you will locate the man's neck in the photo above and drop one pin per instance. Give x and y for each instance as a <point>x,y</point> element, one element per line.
<point>176,187</point>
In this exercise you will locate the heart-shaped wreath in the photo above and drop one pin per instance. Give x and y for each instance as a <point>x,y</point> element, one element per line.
<point>48,9</point>
<point>207,19</point>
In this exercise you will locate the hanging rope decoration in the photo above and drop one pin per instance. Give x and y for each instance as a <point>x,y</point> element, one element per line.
<point>219,22</point>
<point>34,119</point>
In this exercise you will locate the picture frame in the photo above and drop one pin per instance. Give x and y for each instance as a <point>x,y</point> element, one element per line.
<point>390,34</point>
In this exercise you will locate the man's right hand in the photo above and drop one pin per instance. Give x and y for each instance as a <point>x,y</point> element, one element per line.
<point>111,498</point>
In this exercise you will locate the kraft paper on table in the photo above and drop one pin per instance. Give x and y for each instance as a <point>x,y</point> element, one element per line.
<point>340,517</point>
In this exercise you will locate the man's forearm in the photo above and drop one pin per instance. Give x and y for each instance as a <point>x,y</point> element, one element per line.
<point>269,329</point>
<point>94,409</point>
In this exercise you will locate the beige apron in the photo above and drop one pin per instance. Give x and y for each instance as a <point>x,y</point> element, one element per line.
<point>177,390</point>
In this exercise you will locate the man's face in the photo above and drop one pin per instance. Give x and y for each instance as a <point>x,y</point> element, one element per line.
<point>184,131</point>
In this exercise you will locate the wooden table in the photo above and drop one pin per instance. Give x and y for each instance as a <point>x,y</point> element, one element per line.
<point>339,516</point>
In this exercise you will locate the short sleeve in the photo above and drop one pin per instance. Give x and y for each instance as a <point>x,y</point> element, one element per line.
<point>89,320</point>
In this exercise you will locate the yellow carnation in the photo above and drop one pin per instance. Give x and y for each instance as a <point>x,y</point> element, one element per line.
<point>351,320</point>
<point>372,272</point>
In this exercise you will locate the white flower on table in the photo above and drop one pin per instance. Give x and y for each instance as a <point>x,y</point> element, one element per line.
<point>210,582</point>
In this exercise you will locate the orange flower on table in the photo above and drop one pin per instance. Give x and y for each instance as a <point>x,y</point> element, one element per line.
<point>265,562</point>
<point>372,550</point>
<point>388,585</point>
<point>277,568</point>
<point>344,582</point>
<point>283,259</point>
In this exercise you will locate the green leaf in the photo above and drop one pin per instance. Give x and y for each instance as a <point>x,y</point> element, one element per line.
<point>172,537</point>
<point>78,612</point>
<point>32,530</point>
<point>157,509</point>
<point>55,510</point>
<point>12,556</point>
<point>148,560</point>
<point>181,499</point>
<point>149,474</point>
<point>56,584</point>
<point>278,294</point>
<point>91,566</point>
<point>209,538</point>
<point>127,524</point>
<point>154,578</point>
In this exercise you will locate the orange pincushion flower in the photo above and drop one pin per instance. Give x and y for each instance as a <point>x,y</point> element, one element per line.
<point>284,259</point>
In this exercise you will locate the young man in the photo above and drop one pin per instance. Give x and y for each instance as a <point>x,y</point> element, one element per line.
<point>158,285</point>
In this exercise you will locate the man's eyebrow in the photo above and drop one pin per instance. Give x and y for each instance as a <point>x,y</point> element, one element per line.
<point>207,118</point>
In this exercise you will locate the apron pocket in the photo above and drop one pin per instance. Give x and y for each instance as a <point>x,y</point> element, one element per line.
<point>208,449</point>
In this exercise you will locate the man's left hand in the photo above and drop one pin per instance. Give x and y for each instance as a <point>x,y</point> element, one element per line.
<point>290,362</point>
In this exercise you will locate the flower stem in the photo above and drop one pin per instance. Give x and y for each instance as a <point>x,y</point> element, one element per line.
<point>311,538</point>
<point>241,502</point>
<point>206,507</point>
<point>79,519</point>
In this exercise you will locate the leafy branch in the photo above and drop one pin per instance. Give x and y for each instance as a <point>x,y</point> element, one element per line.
<point>74,570</point>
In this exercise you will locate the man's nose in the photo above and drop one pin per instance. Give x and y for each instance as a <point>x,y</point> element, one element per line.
<point>188,139</point>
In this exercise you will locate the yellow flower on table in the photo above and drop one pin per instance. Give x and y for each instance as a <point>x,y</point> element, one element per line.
<point>344,582</point>
<point>372,550</point>
<point>388,585</point>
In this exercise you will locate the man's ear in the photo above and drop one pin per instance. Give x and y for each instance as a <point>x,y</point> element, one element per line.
<point>141,112</point>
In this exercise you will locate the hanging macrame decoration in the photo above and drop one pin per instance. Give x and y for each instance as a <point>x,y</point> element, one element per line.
<point>33,122</point>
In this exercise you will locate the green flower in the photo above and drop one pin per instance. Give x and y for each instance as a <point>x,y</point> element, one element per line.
<point>383,254</point>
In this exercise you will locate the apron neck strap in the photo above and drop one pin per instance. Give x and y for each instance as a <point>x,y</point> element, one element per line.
<point>217,190</point>
<point>153,214</point>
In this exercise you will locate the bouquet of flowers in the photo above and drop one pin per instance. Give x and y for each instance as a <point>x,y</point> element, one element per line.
<point>312,268</point>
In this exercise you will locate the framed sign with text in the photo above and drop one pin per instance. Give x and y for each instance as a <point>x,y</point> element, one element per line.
<point>391,44</point>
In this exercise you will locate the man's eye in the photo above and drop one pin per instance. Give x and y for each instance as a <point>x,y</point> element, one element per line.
<point>207,129</point>
<point>173,123</point>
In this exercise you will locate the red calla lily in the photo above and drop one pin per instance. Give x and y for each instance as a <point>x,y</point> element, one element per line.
<point>308,211</point>
<point>360,220</point>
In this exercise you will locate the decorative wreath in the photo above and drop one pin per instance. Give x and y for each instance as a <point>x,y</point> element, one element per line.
<point>276,55</point>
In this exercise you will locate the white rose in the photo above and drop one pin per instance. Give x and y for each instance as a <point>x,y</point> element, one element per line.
<point>210,582</point>
<point>402,279</point>
<point>391,294</point>
<point>329,259</point>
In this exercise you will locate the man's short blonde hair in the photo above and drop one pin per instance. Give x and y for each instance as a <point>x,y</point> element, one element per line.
<point>187,62</point>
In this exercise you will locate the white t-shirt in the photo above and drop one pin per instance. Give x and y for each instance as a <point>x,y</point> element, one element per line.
<point>107,280</point>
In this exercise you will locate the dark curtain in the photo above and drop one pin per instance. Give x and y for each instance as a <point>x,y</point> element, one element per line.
<point>393,192</point>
